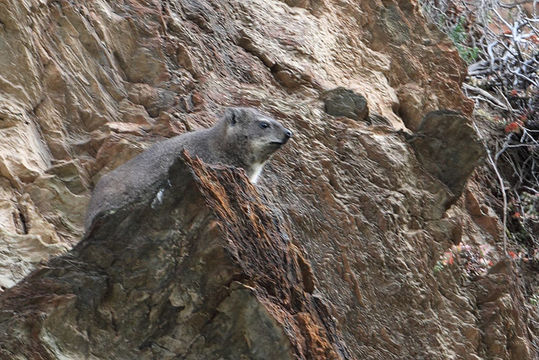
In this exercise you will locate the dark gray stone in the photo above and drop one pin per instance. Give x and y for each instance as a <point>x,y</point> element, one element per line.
<point>207,272</point>
<point>345,102</point>
<point>448,148</point>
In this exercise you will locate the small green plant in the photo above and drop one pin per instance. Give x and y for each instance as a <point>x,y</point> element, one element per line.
<point>459,36</point>
<point>438,267</point>
<point>470,55</point>
<point>534,299</point>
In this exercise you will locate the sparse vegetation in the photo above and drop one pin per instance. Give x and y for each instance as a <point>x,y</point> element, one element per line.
<point>473,261</point>
<point>500,44</point>
<point>459,37</point>
<point>534,299</point>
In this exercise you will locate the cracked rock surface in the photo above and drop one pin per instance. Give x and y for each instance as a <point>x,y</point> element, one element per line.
<point>209,273</point>
<point>335,253</point>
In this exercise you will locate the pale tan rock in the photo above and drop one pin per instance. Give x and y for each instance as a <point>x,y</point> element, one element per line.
<point>22,154</point>
<point>20,254</point>
<point>51,195</point>
<point>483,215</point>
<point>134,113</point>
<point>9,214</point>
<point>26,242</point>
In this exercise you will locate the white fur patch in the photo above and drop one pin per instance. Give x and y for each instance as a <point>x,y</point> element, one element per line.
<point>257,170</point>
<point>158,200</point>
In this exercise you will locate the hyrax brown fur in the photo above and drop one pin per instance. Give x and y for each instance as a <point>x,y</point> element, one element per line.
<point>243,137</point>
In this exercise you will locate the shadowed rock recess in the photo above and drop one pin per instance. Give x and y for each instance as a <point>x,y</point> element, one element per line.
<point>207,273</point>
<point>338,252</point>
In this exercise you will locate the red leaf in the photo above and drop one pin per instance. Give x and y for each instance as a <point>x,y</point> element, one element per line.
<point>512,254</point>
<point>512,127</point>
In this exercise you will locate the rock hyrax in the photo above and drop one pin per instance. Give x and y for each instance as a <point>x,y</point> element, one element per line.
<point>243,137</point>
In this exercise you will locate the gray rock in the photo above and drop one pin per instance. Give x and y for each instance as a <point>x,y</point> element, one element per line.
<point>448,148</point>
<point>345,102</point>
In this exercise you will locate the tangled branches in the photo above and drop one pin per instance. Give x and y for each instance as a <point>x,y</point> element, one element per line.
<point>498,41</point>
<point>509,56</point>
<point>500,44</point>
<point>518,156</point>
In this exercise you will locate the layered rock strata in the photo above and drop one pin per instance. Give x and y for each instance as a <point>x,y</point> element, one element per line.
<point>87,85</point>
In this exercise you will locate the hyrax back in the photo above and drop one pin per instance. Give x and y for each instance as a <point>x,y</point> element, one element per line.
<point>243,137</point>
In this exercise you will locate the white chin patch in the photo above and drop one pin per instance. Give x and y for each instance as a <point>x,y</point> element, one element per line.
<point>257,170</point>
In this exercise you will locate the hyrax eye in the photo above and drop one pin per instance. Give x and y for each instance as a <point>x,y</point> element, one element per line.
<point>264,125</point>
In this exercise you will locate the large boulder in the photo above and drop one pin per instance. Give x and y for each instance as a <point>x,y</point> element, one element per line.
<point>448,147</point>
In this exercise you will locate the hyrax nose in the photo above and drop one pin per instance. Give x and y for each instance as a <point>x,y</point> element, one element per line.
<point>287,134</point>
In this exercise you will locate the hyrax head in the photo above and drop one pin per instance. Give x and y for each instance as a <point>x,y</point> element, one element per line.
<point>256,134</point>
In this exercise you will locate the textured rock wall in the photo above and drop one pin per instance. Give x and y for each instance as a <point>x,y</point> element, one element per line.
<point>187,282</point>
<point>87,85</point>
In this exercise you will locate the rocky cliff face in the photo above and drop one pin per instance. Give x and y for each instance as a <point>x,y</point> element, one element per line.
<point>187,281</point>
<point>340,252</point>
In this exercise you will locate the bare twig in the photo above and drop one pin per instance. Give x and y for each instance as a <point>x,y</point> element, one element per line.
<point>509,107</point>
<point>502,187</point>
<point>511,6</point>
<point>485,94</point>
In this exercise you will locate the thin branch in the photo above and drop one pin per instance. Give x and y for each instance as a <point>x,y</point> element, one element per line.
<point>502,187</point>
<point>509,107</point>
<point>514,5</point>
<point>485,94</point>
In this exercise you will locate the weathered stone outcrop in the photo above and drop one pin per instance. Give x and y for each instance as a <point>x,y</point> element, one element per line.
<point>448,147</point>
<point>207,273</point>
<point>84,86</point>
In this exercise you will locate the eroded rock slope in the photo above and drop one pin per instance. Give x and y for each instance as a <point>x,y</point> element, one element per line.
<point>371,203</point>
<point>177,278</point>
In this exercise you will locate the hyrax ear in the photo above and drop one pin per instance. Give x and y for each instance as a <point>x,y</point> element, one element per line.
<point>231,116</point>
